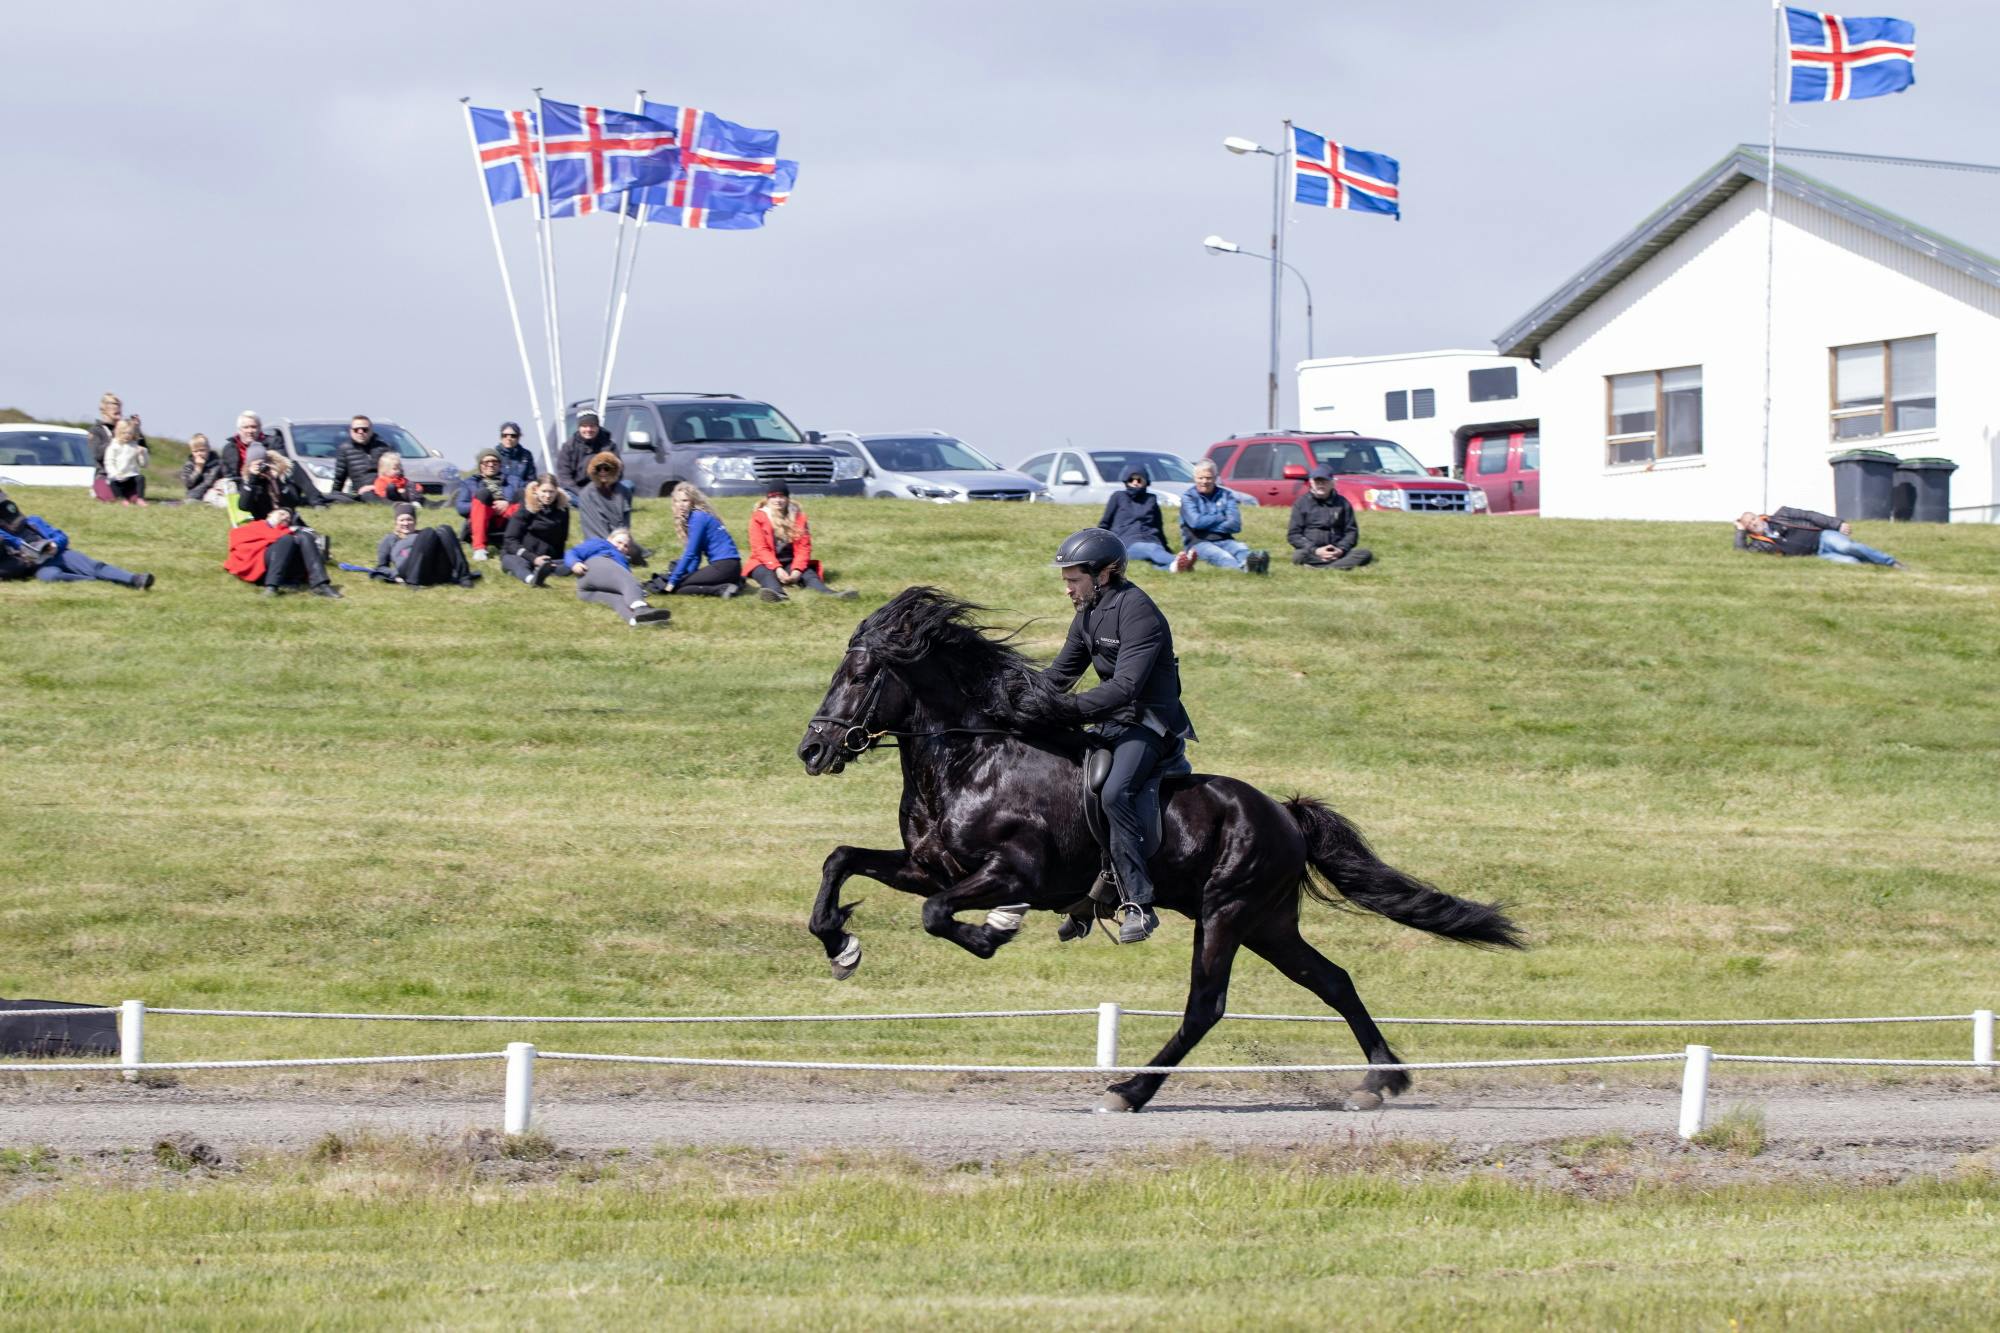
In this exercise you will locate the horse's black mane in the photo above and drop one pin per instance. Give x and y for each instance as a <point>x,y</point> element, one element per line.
<point>924,622</point>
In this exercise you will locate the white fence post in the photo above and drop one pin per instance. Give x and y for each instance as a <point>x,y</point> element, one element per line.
<point>520,1110</point>
<point>132,1037</point>
<point>1694,1091</point>
<point>1107,1034</point>
<point>1982,1036</point>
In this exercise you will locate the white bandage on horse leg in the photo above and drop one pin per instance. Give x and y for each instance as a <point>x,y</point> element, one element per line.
<point>850,952</point>
<point>1007,919</point>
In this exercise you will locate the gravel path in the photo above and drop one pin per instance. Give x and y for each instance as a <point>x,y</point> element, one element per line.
<point>991,1123</point>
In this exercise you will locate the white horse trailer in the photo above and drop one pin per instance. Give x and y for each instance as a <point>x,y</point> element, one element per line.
<point>1431,403</point>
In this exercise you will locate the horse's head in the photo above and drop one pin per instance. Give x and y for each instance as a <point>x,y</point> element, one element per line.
<point>865,700</point>
<point>921,660</point>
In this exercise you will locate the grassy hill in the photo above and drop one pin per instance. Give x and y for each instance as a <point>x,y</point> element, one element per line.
<point>1710,784</point>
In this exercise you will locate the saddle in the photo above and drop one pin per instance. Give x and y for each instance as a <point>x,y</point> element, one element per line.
<point>1102,900</point>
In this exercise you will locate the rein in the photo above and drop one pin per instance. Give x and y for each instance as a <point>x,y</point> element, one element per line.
<point>859,737</point>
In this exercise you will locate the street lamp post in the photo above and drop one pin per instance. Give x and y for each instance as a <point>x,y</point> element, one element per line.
<point>1278,163</point>
<point>1215,245</point>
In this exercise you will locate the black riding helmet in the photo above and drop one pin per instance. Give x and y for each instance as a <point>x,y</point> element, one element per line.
<point>1093,548</point>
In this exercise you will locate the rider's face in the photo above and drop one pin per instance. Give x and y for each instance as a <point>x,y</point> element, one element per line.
<point>1081,585</point>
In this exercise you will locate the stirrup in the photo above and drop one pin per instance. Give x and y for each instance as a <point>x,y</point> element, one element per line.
<point>1136,922</point>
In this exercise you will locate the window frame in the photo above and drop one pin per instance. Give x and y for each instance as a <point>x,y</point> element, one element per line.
<point>1658,434</point>
<point>1883,412</point>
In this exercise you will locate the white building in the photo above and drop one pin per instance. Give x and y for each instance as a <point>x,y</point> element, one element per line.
<point>1428,402</point>
<point>1886,335</point>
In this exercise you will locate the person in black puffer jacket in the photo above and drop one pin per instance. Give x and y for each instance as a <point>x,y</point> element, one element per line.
<point>203,470</point>
<point>531,549</point>
<point>355,460</point>
<point>573,459</point>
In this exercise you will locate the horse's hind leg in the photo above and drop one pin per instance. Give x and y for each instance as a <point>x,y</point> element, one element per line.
<point>1216,940</point>
<point>829,918</point>
<point>1280,943</point>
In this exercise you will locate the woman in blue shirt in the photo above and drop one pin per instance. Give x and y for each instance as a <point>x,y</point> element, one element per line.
<point>703,538</point>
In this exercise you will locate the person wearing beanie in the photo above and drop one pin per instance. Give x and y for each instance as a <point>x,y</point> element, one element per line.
<point>487,498</point>
<point>574,458</point>
<point>421,557</point>
<point>605,502</point>
<point>781,548</point>
<point>1322,531</point>
<point>270,481</point>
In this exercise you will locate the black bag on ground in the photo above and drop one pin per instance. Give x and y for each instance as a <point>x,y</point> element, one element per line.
<point>56,1034</point>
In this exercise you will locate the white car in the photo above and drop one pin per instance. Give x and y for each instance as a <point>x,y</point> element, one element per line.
<point>1092,476</point>
<point>32,454</point>
<point>931,465</point>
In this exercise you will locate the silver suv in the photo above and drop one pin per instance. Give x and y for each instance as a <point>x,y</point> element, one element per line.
<point>931,465</point>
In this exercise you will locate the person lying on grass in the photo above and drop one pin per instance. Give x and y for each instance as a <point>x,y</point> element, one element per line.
<point>603,569</point>
<point>277,557</point>
<point>31,547</point>
<point>1806,532</point>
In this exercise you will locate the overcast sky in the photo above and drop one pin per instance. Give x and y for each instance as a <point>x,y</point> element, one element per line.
<point>997,227</point>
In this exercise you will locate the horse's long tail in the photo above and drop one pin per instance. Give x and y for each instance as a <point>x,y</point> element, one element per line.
<point>1340,859</point>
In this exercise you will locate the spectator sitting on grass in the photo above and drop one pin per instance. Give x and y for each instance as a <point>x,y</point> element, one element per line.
<point>531,548</point>
<point>1133,517</point>
<point>125,460</point>
<point>517,462</point>
<point>1210,519</point>
<point>110,411</point>
<point>605,503</point>
<point>781,548</point>
<point>357,461</point>
<point>271,481</point>
<point>390,485</point>
<point>421,557</point>
<point>31,547</point>
<point>249,431</point>
<point>603,569</point>
<point>703,538</point>
<point>1806,532</point>
<point>487,498</point>
<point>278,557</point>
<point>1323,531</point>
<point>203,474</point>
<point>573,460</point>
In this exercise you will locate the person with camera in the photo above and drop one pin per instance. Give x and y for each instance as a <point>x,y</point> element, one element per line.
<point>33,548</point>
<point>277,557</point>
<point>271,481</point>
<point>531,548</point>
<point>249,432</point>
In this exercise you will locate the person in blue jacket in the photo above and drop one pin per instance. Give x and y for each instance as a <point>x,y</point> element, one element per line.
<point>603,569</point>
<point>1211,518</point>
<point>517,461</point>
<point>703,538</point>
<point>1132,515</point>
<point>32,547</point>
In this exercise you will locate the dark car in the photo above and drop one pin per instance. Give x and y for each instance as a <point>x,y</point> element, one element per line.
<point>723,443</point>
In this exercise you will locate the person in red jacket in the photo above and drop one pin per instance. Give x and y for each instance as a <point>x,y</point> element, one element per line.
<point>390,483</point>
<point>275,555</point>
<point>781,549</point>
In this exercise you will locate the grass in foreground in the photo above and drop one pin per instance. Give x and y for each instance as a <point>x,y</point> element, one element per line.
<point>364,1235</point>
<point>1709,784</point>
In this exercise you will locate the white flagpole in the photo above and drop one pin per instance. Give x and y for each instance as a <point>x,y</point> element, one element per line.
<point>1285,189</point>
<point>549,258</point>
<point>541,194</point>
<point>618,325</point>
<point>617,262</point>
<point>506,282</point>
<point>1771,233</point>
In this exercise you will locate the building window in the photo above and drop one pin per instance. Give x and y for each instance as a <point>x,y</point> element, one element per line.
<point>1883,387</point>
<point>1492,385</point>
<point>1423,403</point>
<point>1653,414</point>
<point>1396,405</point>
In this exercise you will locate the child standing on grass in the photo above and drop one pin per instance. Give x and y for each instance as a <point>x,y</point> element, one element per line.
<point>125,461</point>
<point>391,485</point>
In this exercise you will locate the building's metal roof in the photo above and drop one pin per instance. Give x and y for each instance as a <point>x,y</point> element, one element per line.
<point>1744,166</point>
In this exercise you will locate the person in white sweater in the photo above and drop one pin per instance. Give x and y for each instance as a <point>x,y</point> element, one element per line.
<point>125,461</point>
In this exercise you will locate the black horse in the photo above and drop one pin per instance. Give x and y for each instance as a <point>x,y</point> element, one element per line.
<point>992,818</point>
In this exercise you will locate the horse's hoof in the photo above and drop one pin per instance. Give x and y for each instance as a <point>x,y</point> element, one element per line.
<point>1361,1099</point>
<point>1115,1101</point>
<point>1007,919</point>
<point>848,960</point>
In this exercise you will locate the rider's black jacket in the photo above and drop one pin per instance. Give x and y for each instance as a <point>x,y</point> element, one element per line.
<point>1130,643</point>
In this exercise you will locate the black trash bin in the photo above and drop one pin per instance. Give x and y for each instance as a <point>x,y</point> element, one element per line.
<point>1923,490</point>
<point>1864,484</point>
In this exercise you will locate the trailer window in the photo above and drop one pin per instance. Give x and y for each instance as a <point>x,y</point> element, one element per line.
<point>1396,405</point>
<point>1492,384</point>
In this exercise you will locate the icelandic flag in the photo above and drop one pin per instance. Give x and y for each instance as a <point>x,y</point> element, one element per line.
<point>506,150</point>
<point>1332,175</point>
<point>710,143</point>
<point>1835,59</point>
<point>715,202</point>
<point>596,150</point>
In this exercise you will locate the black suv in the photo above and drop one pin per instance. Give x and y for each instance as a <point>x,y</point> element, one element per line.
<point>722,442</point>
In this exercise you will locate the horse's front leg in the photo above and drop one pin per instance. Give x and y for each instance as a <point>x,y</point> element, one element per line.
<point>996,885</point>
<point>829,917</point>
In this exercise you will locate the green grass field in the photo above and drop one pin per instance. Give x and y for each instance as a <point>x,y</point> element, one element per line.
<point>1710,785</point>
<point>382,1236</point>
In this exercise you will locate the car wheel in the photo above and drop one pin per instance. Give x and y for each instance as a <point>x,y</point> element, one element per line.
<point>667,487</point>
<point>885,495</point>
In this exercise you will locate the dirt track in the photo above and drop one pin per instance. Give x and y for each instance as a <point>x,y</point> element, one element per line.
<point>1905,1128</point>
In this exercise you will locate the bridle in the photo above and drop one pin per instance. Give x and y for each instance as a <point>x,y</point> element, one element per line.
<point>858,737</point>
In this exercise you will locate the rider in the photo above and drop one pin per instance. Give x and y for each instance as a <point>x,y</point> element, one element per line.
<point>1137,708</point>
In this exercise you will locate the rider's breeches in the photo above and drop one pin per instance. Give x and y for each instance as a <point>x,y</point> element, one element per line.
<point>1131,806</point>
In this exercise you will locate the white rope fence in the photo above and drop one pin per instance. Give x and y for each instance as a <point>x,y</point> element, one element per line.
<point>520,1056</point>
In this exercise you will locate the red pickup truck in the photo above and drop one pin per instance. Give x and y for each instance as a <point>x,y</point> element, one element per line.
<point>1370,473</point>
